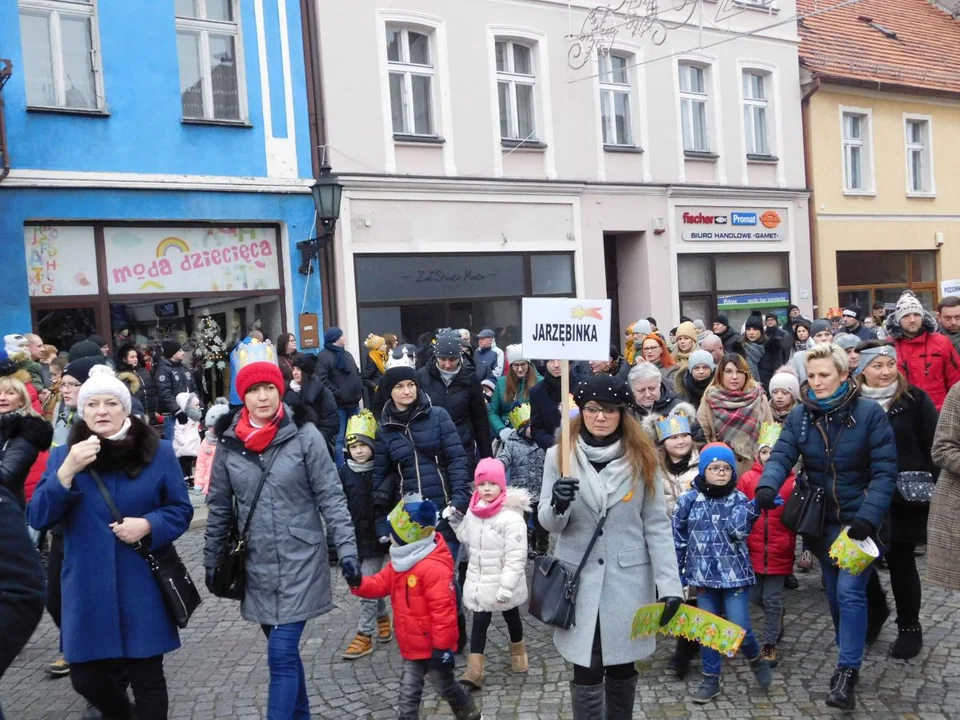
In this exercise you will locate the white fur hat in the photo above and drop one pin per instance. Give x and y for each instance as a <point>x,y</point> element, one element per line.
<point>102,381</point>
<point>514,353</point>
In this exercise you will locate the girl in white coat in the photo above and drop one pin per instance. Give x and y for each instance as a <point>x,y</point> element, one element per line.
<point>495,533</point>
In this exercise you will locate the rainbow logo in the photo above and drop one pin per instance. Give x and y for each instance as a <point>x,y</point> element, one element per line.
<point>151,285</point>
<point>171,242</point>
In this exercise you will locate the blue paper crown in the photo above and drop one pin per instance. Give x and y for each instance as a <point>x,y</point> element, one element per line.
<point>672,425</point>
<point>256,351</point>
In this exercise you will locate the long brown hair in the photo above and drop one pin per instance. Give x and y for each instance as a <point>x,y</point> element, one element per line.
<point>741,364</point>
<point>637,448</point>
<point>513,385</point>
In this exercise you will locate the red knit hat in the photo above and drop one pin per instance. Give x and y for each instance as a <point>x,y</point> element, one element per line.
<point>258,372</point>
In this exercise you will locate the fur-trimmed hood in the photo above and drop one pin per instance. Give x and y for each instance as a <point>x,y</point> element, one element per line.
<point>131,454</point>
<point>895,332</point>
<point>518,499</point>
<point>131,380</point>
<point>649,422</point>
<point>35,430</point>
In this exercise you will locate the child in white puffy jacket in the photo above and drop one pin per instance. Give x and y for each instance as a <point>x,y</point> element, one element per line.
<point>495,532</point>
<point>186,433</point>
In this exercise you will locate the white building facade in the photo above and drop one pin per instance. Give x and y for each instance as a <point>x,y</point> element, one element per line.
<point>479,167</point>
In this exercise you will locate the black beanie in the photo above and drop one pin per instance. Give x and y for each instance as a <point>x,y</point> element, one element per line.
<point>170,348</point>
<point>394,375</point>
<point>79,369</point>
<point>606,389</point>
<point>83,349</point>
<point>754,322</point>
<point>723,320</point>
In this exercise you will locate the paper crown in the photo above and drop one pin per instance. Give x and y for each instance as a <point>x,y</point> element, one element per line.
<point>412,519</point>
<point>520,415</point>
<point>672,425</point>
<point>691,623</point>
<point>361,424</point>
<point>769,434</point>
<point>256,351</point>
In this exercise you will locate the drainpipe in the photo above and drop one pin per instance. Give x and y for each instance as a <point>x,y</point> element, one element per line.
<point>318,140</point>
<point>6,70</point>
<point>808,176</point>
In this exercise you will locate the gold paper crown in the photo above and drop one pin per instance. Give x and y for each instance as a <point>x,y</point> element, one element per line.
<point>362,424</point>
<point>769,434</point>
<point>256,351</point>
<point>520,415</point>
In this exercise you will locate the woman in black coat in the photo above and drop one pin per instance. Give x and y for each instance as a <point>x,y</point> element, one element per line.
<point>286,354</point>
<point>913,417</point>
<point>23,436</point>
<point>129,359</point>
<point>317,397</point>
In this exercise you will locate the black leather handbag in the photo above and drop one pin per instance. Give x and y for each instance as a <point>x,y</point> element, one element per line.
<point>553,592</point>
<point>804,510</point>
<point>230,579</point>
<point>179,593</point>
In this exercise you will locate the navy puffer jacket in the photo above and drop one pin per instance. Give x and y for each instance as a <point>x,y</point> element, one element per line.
<point>421,453</point>
<point>863,478</point>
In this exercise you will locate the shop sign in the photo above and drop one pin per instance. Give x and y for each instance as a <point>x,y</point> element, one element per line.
<point>753,300</point>
<point>733,224</point>
<point>197,259</point>
<point>61,260</point>
<point>566,329</point>
<point>949,287</point>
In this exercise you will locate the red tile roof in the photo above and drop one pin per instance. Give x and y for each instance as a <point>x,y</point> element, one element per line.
<point>852,44</point>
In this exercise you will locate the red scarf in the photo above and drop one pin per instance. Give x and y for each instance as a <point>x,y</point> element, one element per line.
<point>257,439</point>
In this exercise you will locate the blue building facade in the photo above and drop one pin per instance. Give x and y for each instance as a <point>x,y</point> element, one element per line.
<point>160,168</point>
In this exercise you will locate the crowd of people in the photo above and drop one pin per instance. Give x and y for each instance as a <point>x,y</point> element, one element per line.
<point>433,476</point>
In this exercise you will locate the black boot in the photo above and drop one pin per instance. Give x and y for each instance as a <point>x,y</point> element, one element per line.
<point>908,643</point>
<point>685,651</point>
<point>587,701</point>
<point>470,711</point>
<point>841,689</point>
<point>620,697</point>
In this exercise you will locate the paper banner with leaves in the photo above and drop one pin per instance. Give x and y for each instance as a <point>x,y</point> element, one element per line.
<point>691,623</point>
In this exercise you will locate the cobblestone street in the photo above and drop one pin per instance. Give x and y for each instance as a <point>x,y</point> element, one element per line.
<point>221,670</point>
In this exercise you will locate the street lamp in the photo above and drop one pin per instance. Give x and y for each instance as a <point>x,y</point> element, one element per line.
<point>327,192</point>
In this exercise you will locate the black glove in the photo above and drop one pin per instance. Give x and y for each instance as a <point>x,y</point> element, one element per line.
<point>350,567</point>
<point>670,607</point>
<point>564,491</point>
<point>211,576</point>
<point>443,659</point>
<point>181,418</point>
<point>332,558</point>
<point>766,498</point>
<point>859,529</point>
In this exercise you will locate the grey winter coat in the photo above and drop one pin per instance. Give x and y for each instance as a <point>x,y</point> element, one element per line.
<point>288,578</point>
<point>523,460</point>
<point>630,563</point>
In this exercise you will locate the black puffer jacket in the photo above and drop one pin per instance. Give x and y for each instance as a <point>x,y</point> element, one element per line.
<point>320,400</point>
<point>730,340</point>
<point>346,385</point>
<point>419,452</point>
<point>463,400</point>
<point>148,389</point>
<point>22,439</point>
<point>170,380</point>
<point>358,487</point>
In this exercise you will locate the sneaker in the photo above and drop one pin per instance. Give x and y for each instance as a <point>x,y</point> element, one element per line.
<point>708,690</point>
<point>806,561</point>
<point>384,630</point>
<point>762,671</point>
<point>362,645</point>
<point>58,668</point>
<point>769,653</point>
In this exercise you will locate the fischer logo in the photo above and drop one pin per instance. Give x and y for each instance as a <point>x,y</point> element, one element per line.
<point>743,218</point>
<point>701,219</point>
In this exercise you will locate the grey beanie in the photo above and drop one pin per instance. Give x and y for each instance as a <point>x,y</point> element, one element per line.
<point>701,357</point>
<point>819,326</point>
<point>846,341</point>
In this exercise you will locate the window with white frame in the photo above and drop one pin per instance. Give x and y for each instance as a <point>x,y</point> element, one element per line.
<point>208,47</point>
<point>856,171</point>
<point>919,167</point>
<point>61,57</point>
<point>693,108</point>
<point>516,85</point>
<point>755,112</point>
<point>410,66</point>
<point>615,105</point>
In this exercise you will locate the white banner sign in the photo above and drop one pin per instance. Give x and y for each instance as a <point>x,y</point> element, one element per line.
<point>566,329</point>
<point>61,260</point>
<point>949,287</point>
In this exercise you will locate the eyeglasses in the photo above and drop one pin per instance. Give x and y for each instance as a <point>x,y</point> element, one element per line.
<point>719,469</point>
<point>733,372</point>
<point>519,365</point>
<point>69,385</point>
<point>593,411</point>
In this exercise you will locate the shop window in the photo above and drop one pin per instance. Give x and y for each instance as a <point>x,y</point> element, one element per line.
<point>552,274</point>
<point>748,272</point>
<point>865,278</point>
<point>411,70</point>
<point>61,54</point>
<point>615,102</point>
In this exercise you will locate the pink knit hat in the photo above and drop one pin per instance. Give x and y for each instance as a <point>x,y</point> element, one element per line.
<point>491,470</point>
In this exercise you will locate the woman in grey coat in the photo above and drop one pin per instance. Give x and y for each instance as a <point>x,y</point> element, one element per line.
<point>287,575</point>
<point>613,473</point>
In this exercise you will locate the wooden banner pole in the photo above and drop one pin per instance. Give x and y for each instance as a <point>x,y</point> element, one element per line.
<point>565,418</point>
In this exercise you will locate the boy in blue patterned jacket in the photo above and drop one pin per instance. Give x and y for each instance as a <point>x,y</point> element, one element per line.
<point>710,527</point>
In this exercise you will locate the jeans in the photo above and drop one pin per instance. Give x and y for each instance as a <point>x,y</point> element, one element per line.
<point>169,423</point>
<point>481,623</point>
<point>97,682</point>
<point>734,605</point>
<point>411,688</point>
<point>371,610</point>
<point>768,594</point>
<point>288,683</point>
<point>847,598</point>
<point>345,414</point>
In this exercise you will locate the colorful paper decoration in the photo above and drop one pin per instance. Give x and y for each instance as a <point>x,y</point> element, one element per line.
<point>690,622</point>
<point>520,415</point>
<point>851,555</point>
<point>769,434</point>
<point>670,425</point>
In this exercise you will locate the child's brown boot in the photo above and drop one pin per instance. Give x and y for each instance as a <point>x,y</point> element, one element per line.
<point>384,630</point>
<point>518,657</point>
<point>472,679</point>
<point>361,645</point>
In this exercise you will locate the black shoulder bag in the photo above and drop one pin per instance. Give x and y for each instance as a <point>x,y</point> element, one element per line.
<point>179,593</point>
<point>230,579</point>
<point>553,593</point>
<point>805,510</point>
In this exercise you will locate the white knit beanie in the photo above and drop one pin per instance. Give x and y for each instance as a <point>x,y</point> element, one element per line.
<point>642,326</point>
<point>102,381</point>
<point>514,353</point>
<point>907,305</point>
<point>783,380</point>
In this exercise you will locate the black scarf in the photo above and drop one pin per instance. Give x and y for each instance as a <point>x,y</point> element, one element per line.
<point>695,388</point>
<point>679,467</point>
<point>715,491</point>
<point>553,385</point>
<point>339,354</point>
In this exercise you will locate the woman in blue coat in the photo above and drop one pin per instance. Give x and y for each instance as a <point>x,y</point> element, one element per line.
<point>848,449</point>
<point>113,608</point>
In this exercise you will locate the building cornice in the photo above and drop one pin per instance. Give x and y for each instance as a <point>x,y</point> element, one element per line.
<point>75,180</point>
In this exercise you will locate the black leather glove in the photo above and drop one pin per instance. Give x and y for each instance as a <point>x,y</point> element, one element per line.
<point>350,567</point>
<point>211,576</point>
<point>766,498</point>
<point>443,659</point>
<point>564,491</point>
<point>332,559</point>
<point>859,529</point>
<point>670,607</point>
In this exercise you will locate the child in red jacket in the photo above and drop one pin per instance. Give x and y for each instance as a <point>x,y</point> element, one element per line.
<point>419,581</point>
<point>772,547</point>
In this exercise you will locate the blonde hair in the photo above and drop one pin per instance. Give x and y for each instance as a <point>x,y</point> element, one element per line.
<point>12,383</point>
<point>637,447</point>
<point>823,351</point>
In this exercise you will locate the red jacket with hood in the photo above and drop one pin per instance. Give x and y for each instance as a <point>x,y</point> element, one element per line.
<point>424,602</point>
<point>772,546</point>
<point>930,361</point>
